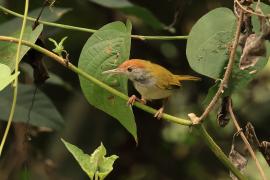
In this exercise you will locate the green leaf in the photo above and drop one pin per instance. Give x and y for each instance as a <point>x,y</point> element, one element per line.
<point>129,8</point>
<point>207,50</point>
<point>5,76</point>
<point>43,113</point>
<point>95,165</point>
<point>13,28</point>
<point>209,40</point>
<point>8,50</point>
<point>104,50</point>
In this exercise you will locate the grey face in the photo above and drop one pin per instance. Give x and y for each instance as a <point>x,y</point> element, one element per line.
<point>138,75</point>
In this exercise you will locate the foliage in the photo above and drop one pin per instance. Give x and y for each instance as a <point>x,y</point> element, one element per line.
<point>43,113</point>
<point>106,49</point>
<point>132,9</point>
<point>95,165</point>
<point>208,52</point>
<point>5,76</point>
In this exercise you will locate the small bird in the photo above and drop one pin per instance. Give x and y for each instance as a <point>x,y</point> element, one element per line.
<point>151,80</point>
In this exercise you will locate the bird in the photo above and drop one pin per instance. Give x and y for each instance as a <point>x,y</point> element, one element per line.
<point>151,80</point>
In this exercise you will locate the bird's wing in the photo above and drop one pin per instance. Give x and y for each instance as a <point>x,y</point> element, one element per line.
<point>165,79</point>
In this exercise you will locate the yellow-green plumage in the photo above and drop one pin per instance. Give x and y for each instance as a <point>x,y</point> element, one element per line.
<point>153,81</point>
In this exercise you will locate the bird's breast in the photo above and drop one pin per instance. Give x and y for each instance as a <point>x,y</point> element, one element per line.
<point>151,91</point>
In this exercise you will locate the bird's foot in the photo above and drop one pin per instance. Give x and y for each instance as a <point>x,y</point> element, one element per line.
<point>159,113</point>
<point>133,98</point>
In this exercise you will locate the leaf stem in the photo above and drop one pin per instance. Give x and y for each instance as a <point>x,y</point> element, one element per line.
<point>239,129</point>
<point>64,26</point>
<point>211,144</point>
<point>15,91</point>
<point>224,82</point>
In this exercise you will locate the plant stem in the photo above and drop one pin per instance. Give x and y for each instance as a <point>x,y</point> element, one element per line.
<point>15,91</point>
<point>96,81</point>
<point>224,82</point>
<point>64,26</point>
<point>250,11</point>
<point>211,144</point>
<point>250,150</point>
<point>218,152</point>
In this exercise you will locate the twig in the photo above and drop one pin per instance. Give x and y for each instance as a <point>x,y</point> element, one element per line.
<point>87,76</point>
<point>15,91</point>
<point>249,11</point>
<point>211,144</point>
<point>64,26</point>
<point>226,77</point>
<point>250,150</point>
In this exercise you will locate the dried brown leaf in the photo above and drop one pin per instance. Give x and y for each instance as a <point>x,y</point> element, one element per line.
<point>254,49</point>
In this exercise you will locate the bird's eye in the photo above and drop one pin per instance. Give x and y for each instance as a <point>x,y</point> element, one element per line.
<point>129,69</point>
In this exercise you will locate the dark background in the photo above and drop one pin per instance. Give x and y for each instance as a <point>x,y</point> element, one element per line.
<point>165,151</point>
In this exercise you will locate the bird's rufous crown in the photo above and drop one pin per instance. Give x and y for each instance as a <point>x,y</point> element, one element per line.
<point>132,63</point>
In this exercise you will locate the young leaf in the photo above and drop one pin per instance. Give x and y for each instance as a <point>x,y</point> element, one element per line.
<point>104,50</point>
<point>43,113</point>
<point>5,76</point>
<point>131,9</point>
<point>94,165</point>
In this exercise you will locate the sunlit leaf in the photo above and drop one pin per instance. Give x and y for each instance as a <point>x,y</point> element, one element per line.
<point>104,50</point>
<point>43,113</point>
<point>94,165</point>
<point>5,76</point>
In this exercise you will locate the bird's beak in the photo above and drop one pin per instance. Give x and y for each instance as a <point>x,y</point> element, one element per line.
<point>114,71</point>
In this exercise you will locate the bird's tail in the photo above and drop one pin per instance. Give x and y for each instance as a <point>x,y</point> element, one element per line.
<point>187,78</point>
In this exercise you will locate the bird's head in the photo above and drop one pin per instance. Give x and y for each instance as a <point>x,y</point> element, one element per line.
<point>134,69</point>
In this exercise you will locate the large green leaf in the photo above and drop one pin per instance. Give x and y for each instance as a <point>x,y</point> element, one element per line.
<point>94,165</point>
<point>131,9</point>
<point>208,42</point>
<point>5,76</point>
<point>43,113</point>
<point>208,50</point>
<point>106,49</point>
<point>13,28</point>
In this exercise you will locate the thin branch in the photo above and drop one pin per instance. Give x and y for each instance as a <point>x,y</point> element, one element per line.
<point>211,144</point>
<point>64,26</point>
<point>250,150</point>
<point>87,76</point>
<point>224,82</point>
<point>249,11</point>
<point>15,91</point>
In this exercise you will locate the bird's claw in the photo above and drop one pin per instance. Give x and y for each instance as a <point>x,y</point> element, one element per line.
<point>159,113</point>
<point>131,100</point>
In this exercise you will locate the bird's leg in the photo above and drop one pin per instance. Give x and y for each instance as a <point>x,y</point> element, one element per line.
<point>159,113</point>
<point>133,98</point>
